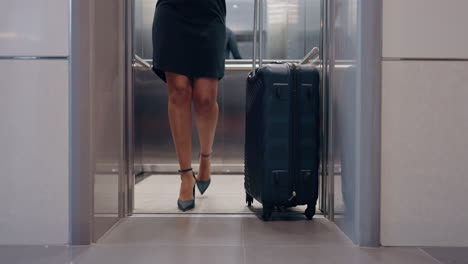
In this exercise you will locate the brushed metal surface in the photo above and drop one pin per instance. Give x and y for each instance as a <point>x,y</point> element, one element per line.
<point>108,93</point>
<point>128,187</point>
<point>354,59</point>
<point>343,43</point>
<point>154,150</point>
<point>153,142</point>
<point>81,169</point>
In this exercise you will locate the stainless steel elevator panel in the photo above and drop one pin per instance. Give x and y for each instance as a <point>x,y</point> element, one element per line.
<point>292,29</point>
<point>343,88</point>
<point>154,146</point>
<point>354,112</point>
<point>107,89</point>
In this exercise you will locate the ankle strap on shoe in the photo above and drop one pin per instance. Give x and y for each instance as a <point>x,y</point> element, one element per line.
<point>181,171</point>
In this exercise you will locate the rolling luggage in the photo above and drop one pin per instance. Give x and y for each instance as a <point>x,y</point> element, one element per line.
<point>282,136</point>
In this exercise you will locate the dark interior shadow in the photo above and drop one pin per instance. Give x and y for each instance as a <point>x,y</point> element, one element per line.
<point>280,213</point>
<point>142,176</point>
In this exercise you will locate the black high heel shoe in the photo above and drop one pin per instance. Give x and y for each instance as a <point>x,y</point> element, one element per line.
<point>187,204</point>
<point>203,185</point>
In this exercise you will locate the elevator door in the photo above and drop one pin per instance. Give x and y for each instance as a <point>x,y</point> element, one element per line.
<point>292,29</point>
<point>107,113</point>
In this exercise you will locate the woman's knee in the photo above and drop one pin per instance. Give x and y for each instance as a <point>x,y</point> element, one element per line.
<point>204,103</point>
<point>180,91</point>
<point>205,94</point>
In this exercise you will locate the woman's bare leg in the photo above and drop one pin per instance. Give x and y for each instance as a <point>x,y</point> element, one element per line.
<point>205,92</point>
<point>180,118</point>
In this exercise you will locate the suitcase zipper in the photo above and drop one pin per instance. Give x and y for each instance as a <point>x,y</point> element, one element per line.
<point>294,117</point>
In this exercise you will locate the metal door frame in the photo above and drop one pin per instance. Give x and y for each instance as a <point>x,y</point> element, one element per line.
<point>81,189</point>
<point>326,183</point>
<point>366,205</point>
<point>369,233</point>
<point>129,181</point>
<point>81,155</point>
<point>326,198</point>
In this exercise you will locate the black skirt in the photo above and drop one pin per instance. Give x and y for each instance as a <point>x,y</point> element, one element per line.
<point>189,38</point>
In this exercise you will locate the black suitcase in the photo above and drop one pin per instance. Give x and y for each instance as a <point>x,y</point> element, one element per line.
<point>282,137</point>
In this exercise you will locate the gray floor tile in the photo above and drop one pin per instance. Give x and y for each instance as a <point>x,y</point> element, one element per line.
<point>39,254</point>
<point>211,240</point>
<point>102,223</point>
<point>303,255</point>
<point>226,194</point>
<point>333,255</point>
<point>449,255</point>
<point>397,256</point>
<point>176,231</point>
<point>296,232</point>
<point>158,194</point>
<point>161,254</point>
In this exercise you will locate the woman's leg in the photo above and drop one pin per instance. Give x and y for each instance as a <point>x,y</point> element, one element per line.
<point>180,118</point>
<point>205,92</point>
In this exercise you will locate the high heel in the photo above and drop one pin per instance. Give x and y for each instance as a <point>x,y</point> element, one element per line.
<point>203,185</point>
<point>187,204</point>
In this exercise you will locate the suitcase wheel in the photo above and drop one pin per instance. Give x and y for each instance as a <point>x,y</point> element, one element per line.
<point>249,199</point>
<point>267,212</point>
<point>310,212</point>
<point>266,215</point>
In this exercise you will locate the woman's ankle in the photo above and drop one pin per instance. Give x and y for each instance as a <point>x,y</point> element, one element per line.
<point>204,172</point>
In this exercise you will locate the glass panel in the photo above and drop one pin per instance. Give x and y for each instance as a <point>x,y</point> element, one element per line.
<point>292,27</point>
<point>144,13</point>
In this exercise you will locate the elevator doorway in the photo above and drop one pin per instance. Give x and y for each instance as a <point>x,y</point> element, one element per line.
<point>133,148</point>
<point>291,30</point>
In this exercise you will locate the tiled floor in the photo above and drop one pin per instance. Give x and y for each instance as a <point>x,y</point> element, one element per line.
<point>449,255</point>
<point>158,194</point>
<point>213,240</point>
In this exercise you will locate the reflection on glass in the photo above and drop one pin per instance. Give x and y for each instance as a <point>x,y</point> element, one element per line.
<point>231,45</point>
<point>291,27</point>
<point>345,94</point>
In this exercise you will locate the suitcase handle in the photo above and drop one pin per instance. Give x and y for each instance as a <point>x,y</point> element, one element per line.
<point>313,54</point>
<point>257,36</point>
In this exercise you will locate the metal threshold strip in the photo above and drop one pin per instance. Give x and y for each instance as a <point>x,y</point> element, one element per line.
<point>423,59</point>
<point>34,57</point>
<point>290,211</point>
<point>221,214</point>
<point>193,213</point>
